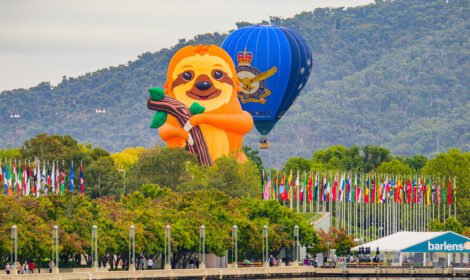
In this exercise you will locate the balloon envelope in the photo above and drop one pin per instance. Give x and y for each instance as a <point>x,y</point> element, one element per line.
<point>273,65</point>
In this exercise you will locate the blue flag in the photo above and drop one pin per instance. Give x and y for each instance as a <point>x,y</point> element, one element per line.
<point>5,179</point>
<point>72,177</point>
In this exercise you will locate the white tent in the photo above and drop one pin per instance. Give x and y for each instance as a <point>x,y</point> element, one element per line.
<point>423,244</point>
<point>398,241</point>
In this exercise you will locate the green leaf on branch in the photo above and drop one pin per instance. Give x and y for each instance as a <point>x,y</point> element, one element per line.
<point>196,108</point>
<point>156,93</point>
<point>158,119</point>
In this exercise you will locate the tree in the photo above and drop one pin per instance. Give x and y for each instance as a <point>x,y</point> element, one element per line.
<point>13,153</point>
<point>163,166</point>
<point>253,155</point>
<point>417,162</point>
<point>335,239</point>
<point>297,164</point>
<point>454,163</point>
<point>234,178</point>
<point>103,178</point>
<point>394,167</point>
<point>374,156</point>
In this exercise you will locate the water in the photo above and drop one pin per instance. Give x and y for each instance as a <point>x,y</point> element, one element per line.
<point>370,278</point>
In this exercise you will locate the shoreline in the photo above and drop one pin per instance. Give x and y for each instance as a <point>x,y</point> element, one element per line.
<point>250,273</point>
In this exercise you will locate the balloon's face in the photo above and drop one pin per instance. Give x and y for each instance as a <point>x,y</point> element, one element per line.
<point>205,79</point>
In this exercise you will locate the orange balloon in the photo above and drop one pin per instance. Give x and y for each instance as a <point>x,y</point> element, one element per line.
<point>206,74</point>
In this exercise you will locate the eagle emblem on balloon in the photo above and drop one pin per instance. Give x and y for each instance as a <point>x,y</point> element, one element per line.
<point>252,80</point>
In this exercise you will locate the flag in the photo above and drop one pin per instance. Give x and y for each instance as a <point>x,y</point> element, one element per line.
<point>44,178</point>
<point>273,189</point>
<point>5,179</point>
<point>15,178</point>
<point>316,195</point>
<point>310,187</point>
<point>52,178</point>
<point>10,175</point>
<point>399,191</point>
<point>335,186</point>
<point>28,180</point>
<point>1,173</point>
<point>262,184</point>
<point>433,192</point>
<point>358,193</point>
<point>291,185</point>
<point>374,190</point>
<point>329,189</point>
<point>366,193</point>
<point>282,189</point>
<point>57,178</point>
<point>428,191</point>
<point>438,192</point>
<point>449,192</point>
<point>72,177</point>
<point>325,188</point>
<point>380,190</point>
<point>25,178</point>
<point>267,189</point>
<point>342,187</point>
<point>297,185</point>
<point>304,185</point>
<point>443,192</point>
<point>62,180</point>
<point>35,175</point>
<point>37,178</point>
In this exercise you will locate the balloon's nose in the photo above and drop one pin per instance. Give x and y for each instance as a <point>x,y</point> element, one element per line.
<point>204,85</point>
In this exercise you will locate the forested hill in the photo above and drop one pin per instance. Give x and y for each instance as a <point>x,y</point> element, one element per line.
<point>394,73</point>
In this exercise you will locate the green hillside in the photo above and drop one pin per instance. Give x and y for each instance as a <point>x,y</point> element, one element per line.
<point>394,74</point>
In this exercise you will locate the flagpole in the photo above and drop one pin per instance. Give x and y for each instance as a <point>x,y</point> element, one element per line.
<point>367,228</point>
<point>343,206</point>
<point>297,187</point>
<point>442,199</point>
<point>317,191</point>
<point>291,192</point>
<point>330,197</point>
<point>455,199</point>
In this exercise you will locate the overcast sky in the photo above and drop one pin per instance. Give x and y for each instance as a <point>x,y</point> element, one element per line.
<point>43,40</point>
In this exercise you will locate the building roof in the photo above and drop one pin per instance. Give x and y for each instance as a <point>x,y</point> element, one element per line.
<point>399,241</point>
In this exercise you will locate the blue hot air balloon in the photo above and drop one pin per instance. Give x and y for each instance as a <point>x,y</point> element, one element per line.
<point>273,65</point>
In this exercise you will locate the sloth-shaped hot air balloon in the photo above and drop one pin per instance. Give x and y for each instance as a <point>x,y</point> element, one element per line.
<point>273,65</point>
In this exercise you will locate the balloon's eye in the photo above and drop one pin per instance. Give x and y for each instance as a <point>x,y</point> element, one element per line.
<point>187,76</point>
<point>218,74</point>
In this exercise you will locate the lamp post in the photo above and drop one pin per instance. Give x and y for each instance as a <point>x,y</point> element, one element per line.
<point>202,242</point>
<point>265,246</point>
<point>14,116</point>
<point>167,247</point>
<point>124,181</point>
<point>14,238</point>
<point>55,240</point>
<point>132,247</point>
<point>296,248</point>
<point>94,246</point>
<point>235,245</point>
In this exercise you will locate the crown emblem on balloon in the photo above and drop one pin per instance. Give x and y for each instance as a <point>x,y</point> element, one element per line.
<point>244,58</point>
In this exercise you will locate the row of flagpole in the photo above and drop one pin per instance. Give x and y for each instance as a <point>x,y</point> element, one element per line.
<point>25,178</point>
<point>368,206</point>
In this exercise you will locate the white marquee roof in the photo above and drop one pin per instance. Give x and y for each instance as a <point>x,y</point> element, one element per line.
<point>399,241</point>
